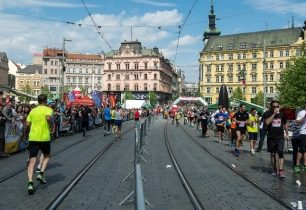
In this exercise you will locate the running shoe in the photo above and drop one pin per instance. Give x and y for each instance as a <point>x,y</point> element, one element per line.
<point>37,170</point>
<point>236,152</point>
<point>274,172</point>
<point>30,188</point>
<point>41,178</point>
<point>297,169</point>
<point>253,152</point>
<point>281,173</point>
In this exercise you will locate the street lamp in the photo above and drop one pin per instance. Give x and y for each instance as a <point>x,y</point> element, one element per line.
<point>63,65</point>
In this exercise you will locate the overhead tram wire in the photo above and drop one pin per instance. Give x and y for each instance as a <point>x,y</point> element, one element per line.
<point>101,34</point>
<point>181,29</point>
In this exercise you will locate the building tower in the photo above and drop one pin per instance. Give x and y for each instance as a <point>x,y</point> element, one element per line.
<point>212,30</point>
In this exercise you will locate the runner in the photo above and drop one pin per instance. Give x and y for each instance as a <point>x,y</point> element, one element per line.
<point>276,123</point>
<point>38,121</point>
<point>118,123</point>
<point>107,120</point>
<point>220,119</point>
<point>252,127</point>
<point>204,115</point>
<point>240,117</point>
<point>301,119</point>
<point>113,116</point>
<point>233,127</point>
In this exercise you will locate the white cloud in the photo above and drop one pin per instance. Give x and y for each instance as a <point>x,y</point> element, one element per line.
<point>280,6</point>
<point>155,3</point>
<point>39,3</point>
<point>186,41</point>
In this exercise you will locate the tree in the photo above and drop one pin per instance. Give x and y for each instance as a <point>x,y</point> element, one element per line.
<point>259,99</point>
<point>83,89</point>
<point>153,98</point>
<point>292,85</point>
<point>26,89</point>
<point>128,95</point>
<point>237,93</point>
<point>45,90</point>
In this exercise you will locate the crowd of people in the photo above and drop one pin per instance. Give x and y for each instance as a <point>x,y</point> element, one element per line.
<point>236,124</point>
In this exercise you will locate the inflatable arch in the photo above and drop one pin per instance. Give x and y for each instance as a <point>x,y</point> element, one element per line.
<point>197,99</point>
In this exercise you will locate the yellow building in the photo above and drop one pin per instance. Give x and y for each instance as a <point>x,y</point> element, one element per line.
<point>238,60</point>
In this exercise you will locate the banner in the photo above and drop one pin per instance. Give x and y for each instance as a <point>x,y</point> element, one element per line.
<point>96,97</point>
<point>13,135</point>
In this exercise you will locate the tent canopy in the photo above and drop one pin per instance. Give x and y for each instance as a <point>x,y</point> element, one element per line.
<point>236,102</point>
<point>134,104</point>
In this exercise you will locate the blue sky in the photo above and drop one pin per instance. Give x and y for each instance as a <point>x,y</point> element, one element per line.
<point>28,26</point>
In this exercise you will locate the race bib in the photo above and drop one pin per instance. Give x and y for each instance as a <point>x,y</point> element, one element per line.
<point>221,118</point>
<point>203,117</point>
<point>276,123</point>
<point>242,124</point>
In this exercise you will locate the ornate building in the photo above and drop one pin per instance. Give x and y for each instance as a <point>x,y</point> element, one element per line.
<point>139,70</point>
<point>252,61</point>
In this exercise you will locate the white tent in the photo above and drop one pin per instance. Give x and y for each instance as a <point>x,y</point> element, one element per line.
<point>134,104</point>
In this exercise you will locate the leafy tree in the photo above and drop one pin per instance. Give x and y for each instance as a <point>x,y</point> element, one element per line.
<point>153,98</point>
<point>128,95</point>
<point>237,93</point>
<point>26,89</point>
<point>292,85</point>
<point>83,89</point>
<point>45,90</point>
<point>259,99</point>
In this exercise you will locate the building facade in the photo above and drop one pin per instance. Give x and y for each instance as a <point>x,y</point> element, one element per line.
<point>252,61</point>
<point>84,71</point>
<point>4,69</point>
<point>139,70</point>
<point>29,80</point>
<point>191,89</point>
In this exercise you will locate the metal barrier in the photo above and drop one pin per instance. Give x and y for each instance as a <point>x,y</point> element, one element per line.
<point>140,136</point>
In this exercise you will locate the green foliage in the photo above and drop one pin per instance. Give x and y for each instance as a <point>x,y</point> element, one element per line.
<point>128,95</point>
<point>237,93</point>
<point>292,85</point>
<point>153,98</point>
<point>83,89</point>
<point>259,99</point>
<point>45,90</point>
<point>26,89</point>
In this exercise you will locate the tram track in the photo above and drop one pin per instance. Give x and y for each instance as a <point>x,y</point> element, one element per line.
<point>240,174</point>
<point>190,192</point>
<point>70,146</point>
<point>60,197</point>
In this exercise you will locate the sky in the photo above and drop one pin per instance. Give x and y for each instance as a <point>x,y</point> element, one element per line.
<point>174,26</point>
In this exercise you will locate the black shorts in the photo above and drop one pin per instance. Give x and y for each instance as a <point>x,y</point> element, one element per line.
<point>242,130</point>
<point>112,121</point>
<point>275,145</point>
<point>302,143</point>
<point>252,136</point>
<point>118,123</point>
<point>220,128</point>
<point>35,146</point>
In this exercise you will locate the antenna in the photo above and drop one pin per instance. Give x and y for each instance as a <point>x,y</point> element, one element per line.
<point>266,25</point>
<point>292,23</point>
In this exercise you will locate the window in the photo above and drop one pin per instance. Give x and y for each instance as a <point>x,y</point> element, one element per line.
<point>109,77</point>
<point>45,63</point>
<point>45,71</point>
<point>254,55</point>
<point>21,82</point>
<point>239,67</point>
<point>208,79</point>
<point>208,68</point>
<point>127,77</point>
<point>86,71</point>
<point>155,65</point>
<point>51,71</point>
<point>230,56</point>
<point>266,77</point>
<point>136,87</point>
<point>254,90</point>
<point>271,54</point>
<point>145,87</point>
<point>281,53</point>
<point>271,65</point>
<point>146,65</point>
<point>155,76</point>
<point>271,77</point>
<point>136,65</point>
<point>109,66</point>
<point>127,66</point>
<point>55,63</point>
<point>86,79</point>
<point>238,56</point>
<point>109,87</point>
<point>230,46</point>
<point>118,66</point>
<point>287,64</point>
<point>126,87</point>
<point>271,90</point>
<point>230,67</point>
<point>117,87</point>
<point>253,45</point>
<point>136,77</point>
<point>217,90</point>
<point>51,63</point>
<point>217,57</point>
<point>287,53</point>
<point>298,52</point>
<point>145,76</point>
<point>155,87</point>
<point>244,56</point>
<point>99,80</point>
<point>117,76</point>
<point>254,66</point>
<point>80,79</point>
<point>253,77</point>
<point>73,79</point>
<point>99,71</point>
<point>55,71</point>
<point>217,68</point>
<point>281,65</point>
<point>243,45</point>
<point>208,90</point>
<point>230,90</point>
<point>222,67</point>
<point>230,78</point>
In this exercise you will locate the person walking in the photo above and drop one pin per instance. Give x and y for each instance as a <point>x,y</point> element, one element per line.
<point>2,133</point>
<point>118,123</point>
<point>38,122</point>
<point>240,118</point>
<point>204,116</point>
<point>107,120</point>
<point>277,124</point>
<point>252,128</point>
<point>301,120</point>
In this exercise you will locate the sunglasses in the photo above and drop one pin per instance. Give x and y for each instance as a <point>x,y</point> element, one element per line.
<point>275,106</point>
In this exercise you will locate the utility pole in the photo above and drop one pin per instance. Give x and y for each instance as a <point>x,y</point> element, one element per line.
<point>63,65</point>
<point>264,74</point>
